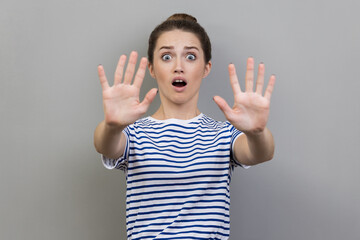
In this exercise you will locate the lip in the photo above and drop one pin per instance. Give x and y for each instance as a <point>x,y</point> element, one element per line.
<point>179,89</point>
<point>179,78</point>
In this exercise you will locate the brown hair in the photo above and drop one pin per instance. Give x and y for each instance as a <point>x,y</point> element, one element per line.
<point>183,22</point>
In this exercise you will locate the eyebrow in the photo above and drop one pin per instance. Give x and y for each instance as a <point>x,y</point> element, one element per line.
<point>186,47</point>
<point>191,47</point>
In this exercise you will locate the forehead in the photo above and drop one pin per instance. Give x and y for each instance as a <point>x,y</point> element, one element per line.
<point>178,39</point>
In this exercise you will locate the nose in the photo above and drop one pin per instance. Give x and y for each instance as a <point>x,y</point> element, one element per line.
<point>178,66</point>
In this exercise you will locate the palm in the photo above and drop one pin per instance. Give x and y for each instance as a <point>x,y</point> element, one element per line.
<point>121,101</point>
<point>251,109</point>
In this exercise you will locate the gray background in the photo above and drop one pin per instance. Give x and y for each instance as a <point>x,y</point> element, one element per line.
<point>52,182</point>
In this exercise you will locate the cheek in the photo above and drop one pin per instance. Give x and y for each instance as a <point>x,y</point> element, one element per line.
<point>161,75</point>
<point>199,72</point>
<point>160,70</point>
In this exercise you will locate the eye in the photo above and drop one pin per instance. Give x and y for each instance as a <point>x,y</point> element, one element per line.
<point>191,57</point>
<point>166,57</point>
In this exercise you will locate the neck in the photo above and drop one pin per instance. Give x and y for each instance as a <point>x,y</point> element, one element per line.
<point>179,112</point>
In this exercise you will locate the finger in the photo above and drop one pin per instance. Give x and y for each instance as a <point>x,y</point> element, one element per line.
<point>148,99</point>
<point>249,76</point>
<point>140,74</point>
<point>260,79</point>
<point>270,87</point>
<point>234,80</point>
<point>130,69</point>
<point>103,81</point>
<point>119,70</point>
<point>224,107</point>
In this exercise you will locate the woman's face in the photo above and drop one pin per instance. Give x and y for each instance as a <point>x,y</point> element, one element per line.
<point>179,67</point>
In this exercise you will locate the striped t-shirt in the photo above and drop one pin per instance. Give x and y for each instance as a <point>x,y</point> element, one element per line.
<point>178,176</point>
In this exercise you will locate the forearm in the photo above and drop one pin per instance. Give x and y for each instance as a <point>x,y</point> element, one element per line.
<point>256,148</point>
<point>109,140</point>
<point>261,146</point>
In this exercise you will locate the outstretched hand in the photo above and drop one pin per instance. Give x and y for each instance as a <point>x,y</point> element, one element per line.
<point>250,111</point>
<point>121,101</point>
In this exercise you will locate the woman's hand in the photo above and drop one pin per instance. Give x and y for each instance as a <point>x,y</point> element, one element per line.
<point>121,101</point>
<point>251,108</point>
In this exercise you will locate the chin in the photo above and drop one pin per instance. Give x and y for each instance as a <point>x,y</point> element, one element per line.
<point>183,100</point>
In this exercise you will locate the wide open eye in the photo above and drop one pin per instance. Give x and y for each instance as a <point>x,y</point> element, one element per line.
<point>191,57</point>
<point>166,57</point>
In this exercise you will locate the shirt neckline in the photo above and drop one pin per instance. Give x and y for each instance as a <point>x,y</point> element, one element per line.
<point>175,120</point>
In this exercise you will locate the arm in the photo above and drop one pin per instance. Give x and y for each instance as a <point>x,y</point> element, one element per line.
<point>254,149</point>
<point>250,115</point>
<point>121,105</point>
<point>109,141</point>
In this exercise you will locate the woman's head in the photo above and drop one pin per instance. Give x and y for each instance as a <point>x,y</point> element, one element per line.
<point>186,23</point>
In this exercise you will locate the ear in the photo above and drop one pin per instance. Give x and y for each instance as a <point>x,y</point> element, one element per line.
<point>207,69</point>
<point>151,70</point>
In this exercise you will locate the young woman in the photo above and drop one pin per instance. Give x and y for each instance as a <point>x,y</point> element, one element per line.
<point>179,161</point>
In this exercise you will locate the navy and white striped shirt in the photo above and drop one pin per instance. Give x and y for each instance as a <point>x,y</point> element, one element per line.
<point>178,176</point>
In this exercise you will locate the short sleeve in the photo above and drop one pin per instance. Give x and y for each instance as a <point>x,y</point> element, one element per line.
<point>235,133</point>
<point>121,162</point>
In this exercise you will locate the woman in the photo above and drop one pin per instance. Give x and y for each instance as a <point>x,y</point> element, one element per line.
<point>178,161</point>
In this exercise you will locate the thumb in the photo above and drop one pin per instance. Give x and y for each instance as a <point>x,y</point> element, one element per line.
<point>224,107</point>
<point>149,98</point>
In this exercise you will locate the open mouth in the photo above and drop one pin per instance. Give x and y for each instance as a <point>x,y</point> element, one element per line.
<point>179,83</point>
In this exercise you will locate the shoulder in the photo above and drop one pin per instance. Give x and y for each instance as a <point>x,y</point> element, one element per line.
<point>209,122</point>
<point>146,122</point>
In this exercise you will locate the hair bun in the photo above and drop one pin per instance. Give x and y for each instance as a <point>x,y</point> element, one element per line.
<point>181,17</point>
